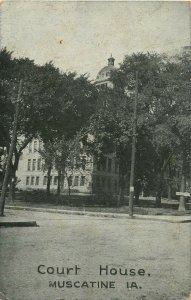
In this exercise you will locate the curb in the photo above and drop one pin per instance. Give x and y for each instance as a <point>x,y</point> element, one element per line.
<point>105,215</point>
<point>18,224</point>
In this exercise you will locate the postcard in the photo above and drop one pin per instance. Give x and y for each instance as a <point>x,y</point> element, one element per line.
<point>95,165</point>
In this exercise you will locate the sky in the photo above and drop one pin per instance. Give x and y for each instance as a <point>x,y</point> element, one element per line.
<point>80,36</point>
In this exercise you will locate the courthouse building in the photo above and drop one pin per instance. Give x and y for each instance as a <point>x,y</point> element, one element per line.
<point>95,177</point>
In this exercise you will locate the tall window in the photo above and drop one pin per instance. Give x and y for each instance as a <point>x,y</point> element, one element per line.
<point>103,163</point>
<point>76,179</point>
<point>30,147</point>
<point>70,179</point>
<point>29,165</point>
<point>39,164</point>
<point>27,180</point>
<point>45,180</point>
<point>35,146</point>
<point>84,160</point>
<point>37,180</point>
<point>33,164</point>
<point>50,180</point>
<point>116,166</point>
<point>109,164</point>
<point>109,183</point>
<point>98,181</point>
<point>32,180</point>
<point>55,180</point>
<point>40,145</point>
<point>103,182</point>
<point>82,181</point>
<point>116,185</point>
<point>98,166</point>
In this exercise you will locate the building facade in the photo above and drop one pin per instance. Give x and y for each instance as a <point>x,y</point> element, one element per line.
<point>95,177</point>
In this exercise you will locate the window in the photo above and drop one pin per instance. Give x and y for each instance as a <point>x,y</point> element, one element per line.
<point>32,180</point>
<point>29,165</point>
<point>50,180</point>
<point>39,164</point>
<point>27,180</point>
<point>55,180</point>
<point>40,145</point>
<point>116,166</point>
<point>35,146</point>
<point>103,164</point>
<point>21,156</point>
<point>116,185</point>
<point>33,164</point>
<point>109,164</point>
<point>109,183</point>
<point>37,180</point>
<point>84,160</point>
<point>45,180</point>
<point>82,181</point>
<point>70,181</point>
<point>97,181</point>
<point>76,179</point>
<point>30,147</point>
<point>103,182</point>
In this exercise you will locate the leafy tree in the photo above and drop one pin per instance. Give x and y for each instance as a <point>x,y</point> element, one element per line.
<point>53,103</point>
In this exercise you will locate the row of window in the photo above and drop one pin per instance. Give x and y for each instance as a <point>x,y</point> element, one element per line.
<point>105,164</point>
<point>76,181</point>
<point>32,180</point>
<point>34,164</point>
<point>35,146</point>
<point>105,182</point>
<point>35,180</point>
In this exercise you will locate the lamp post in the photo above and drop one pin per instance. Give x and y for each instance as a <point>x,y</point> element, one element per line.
<point>133,151</point>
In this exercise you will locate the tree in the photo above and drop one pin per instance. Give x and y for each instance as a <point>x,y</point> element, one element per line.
<point>53,103</point>
<point>113,122</point>
<point>175,112</point>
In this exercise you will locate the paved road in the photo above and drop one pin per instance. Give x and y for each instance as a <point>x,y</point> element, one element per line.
<point>162,250</point>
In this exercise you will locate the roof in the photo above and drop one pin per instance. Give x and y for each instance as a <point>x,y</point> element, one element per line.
<point>104,73</point>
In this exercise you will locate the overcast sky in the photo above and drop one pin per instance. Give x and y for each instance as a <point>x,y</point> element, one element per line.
<point>80,36</point>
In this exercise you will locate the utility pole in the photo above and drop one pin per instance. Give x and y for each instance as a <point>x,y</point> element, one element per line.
<point>131,191</point>
<point>10,154</point>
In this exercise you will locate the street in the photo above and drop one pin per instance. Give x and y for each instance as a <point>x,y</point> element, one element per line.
<point>125,259</point>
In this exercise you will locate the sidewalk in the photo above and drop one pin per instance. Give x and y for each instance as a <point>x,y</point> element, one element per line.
<point>11,219</point>
<point>161,218</point>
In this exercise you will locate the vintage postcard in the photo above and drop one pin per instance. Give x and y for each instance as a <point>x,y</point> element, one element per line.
<point>95,150</point>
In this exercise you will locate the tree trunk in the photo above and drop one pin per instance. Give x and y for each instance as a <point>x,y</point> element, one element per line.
<point>182,206</point>
<point>59,183</point>
<point>12,186</point>
<point>169,183</point>
<point>69,190</point>
<point>137,192</point>
<point>169,190</point>
<point>159,190</point>
<point>14,168</point>
<point>48,181</point>
<point>121,190</point>
<point>10,155</point>
<point>160,181</point>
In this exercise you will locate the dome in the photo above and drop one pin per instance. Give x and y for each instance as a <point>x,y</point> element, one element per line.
<point>104,73</point>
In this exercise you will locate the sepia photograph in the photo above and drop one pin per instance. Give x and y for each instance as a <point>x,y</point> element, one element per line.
<point>95,150</point>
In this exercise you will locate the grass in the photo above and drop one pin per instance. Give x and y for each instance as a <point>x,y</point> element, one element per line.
<point>101,203</point>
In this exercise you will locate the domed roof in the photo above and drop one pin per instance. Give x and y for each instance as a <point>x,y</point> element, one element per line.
<point>104,73</point>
